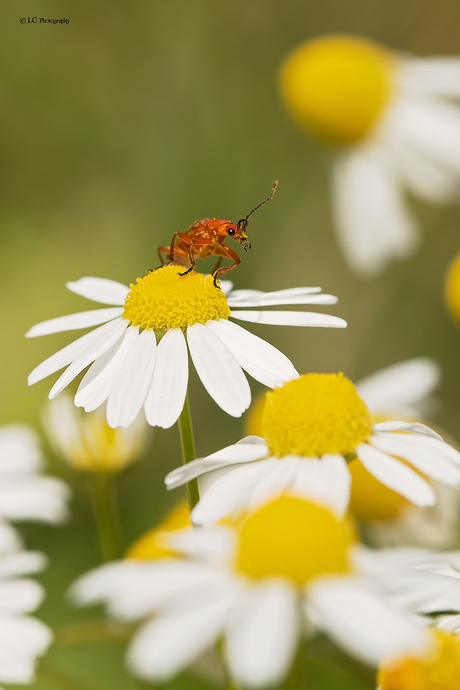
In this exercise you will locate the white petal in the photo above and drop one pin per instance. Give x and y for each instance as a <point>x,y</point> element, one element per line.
<point>168,644</point>
<point>73,322</point>
<point>35,498</point>
<point>362,623</point>
<point>231,493</point>
<point>20,596</point>
<point>100,290</point>
<point>107,335</point>
<point>226,286</point>
<point>290,318</point>
<point>415,428</point>
<point>22,563</point>
<point>97,383</point>
<point>63,357</point>
<point>21,640</point>
<point>430,456</point>
<point>400,385</point>
<point>236,454</point>
<point>270,299</point>
<point>374,223</point>
<point>19,449</point>
<point>433,76</point>
<point>326,481</point>
<point>132,382</point>
<point>257,295</point>
<point>396,476</point>
<point>261,360</point>
<point>218,370</point>
<point>168,389</point>
<point>263,637</point>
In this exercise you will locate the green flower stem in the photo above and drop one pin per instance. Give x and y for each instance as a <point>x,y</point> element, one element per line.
<point>94,631</point>
<point>107,520</point>
<point>188,450</point>
<point>230,684</point>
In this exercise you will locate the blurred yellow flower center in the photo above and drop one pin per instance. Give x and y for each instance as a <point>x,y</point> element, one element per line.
<point>372,500</point>
<point>293,538</point>
<point>438,670</point>
<point>163,299</point>
<point>150,545</point>
<point>338,86</point>
<point>315,414</point>
<point>452,288</point>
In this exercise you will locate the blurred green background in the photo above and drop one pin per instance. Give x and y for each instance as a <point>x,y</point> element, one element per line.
<point>128,124</point>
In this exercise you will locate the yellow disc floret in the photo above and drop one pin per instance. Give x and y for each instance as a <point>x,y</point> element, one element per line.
<point>163,300</point>
<point>150,545</point>
<point>293,538</point>
<point>372,500</point>
<point>439,669</point>
<point>338,86</point>
<point>315,414</point>
<point>452,288</point>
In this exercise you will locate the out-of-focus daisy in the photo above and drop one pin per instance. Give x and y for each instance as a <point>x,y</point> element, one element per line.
<point>140,357</point>
<point>452,288</point>
<point>87,442</point>
<point>290,564</point>
<point>436,666</point>
<point>392,119</point>
<point>312,426</point>
<point>25,493</point>
<point>22,638</point>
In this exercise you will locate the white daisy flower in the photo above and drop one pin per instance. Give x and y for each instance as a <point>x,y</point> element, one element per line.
<point>313,425</point>
<point>402,391</point>
<point>86,441</point>
<point>22,638</point>
<point>25,493</point>
<point>291,564</point>
<point>393,117</point>
<point>185,314</point>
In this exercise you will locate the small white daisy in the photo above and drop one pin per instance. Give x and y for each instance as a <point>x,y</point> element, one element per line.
<point>86,441</point>
<point>313,425</point>
<point>22,638</point>
<point>395,124</point>
<point>290,565</point>
<point>131,370</point>
<point>25,493</point>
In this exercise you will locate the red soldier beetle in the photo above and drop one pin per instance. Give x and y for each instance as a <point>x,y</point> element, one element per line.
<point>206,238</point>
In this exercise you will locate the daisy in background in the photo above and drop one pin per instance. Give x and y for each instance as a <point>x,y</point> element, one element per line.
<point>22,638</point>
<point>139,356</point>
<point>25,493</point>
<point>391,118</point>
<point>313,425</point>
<point>290,566</point>
<point>452,289</point>
<point>86,441</point>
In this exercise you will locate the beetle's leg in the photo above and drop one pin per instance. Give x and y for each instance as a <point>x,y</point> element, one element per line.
<point>192,260</point>
<point>226,253</point>
<point>194,245</point>
<point>217,266</point>
<point>183,237</point>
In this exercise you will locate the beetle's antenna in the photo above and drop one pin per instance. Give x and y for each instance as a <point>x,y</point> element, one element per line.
<point>244,221</point>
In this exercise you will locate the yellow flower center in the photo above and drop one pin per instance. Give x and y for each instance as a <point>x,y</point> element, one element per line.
<point>452,288</point>
<point>338,86</point>
<point>438,670</point>
<point>149,546</point>
<point>315,414</point>
<point>163,300</point>
<point>293,538</point>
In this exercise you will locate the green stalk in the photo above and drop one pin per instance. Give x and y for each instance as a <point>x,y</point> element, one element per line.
<point>188,450</point>
<point>107,520</point>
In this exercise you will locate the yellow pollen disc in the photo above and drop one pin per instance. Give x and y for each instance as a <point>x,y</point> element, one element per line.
<point>338,86</point>
<point>148,547</point>
<point>163,300</point>
<point>293,538</point>
<point>315,414</point>
<point>438,670</point>
<point>452,288</point>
